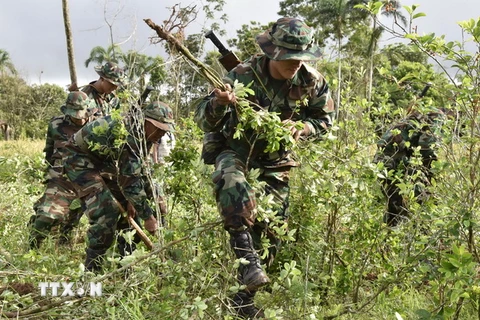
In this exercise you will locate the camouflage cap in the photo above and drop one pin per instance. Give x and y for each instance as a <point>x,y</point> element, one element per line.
<point>289,39</point>
<point>112,73</point>
<point>160,114</point>
<point>78,105</point>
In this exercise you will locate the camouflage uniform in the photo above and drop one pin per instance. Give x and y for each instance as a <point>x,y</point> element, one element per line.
<point>105,160</point>
<point>54,206</point>
<point>396,149</point>
<point>289,39</point>
<point>106,103</point>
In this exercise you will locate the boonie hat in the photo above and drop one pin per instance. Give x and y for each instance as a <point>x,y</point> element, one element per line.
<point>160,115</point>
<point>112,73</point>
<point>77,105</point>
<point>289,39</point>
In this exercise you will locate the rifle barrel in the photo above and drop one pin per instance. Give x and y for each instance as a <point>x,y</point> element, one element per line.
<point>211,35</point>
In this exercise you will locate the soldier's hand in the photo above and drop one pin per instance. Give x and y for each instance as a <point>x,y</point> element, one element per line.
<point>131,210</point>
<point>223,98</point>
<point>162,205</point>
<point>293,127</point>
<point>151,224</point>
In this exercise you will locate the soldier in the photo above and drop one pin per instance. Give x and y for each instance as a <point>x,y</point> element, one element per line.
<point>420,130</point>
<point>285,84</point>
<point>162,149</point>
<point>105,160</point>
<point>102,91</point>
<point>54,206</point>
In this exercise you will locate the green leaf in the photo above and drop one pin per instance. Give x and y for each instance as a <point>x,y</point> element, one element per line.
<point>418,15</point>
<point>423,314</point>
<point>408,9</point>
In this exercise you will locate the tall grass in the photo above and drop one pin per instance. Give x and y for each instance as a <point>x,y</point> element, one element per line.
<point>343,263</point>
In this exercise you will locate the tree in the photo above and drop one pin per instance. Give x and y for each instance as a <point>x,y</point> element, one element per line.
<point>6,64</point>
<point>390,8</point>
<point>141,69</point>
<point>70,51</point>
<point>100,55</point>
<point>182,77</point>
<point>337,18</point>
<point>245,41</point>
<point>158,74</point>
<point>27,109</point>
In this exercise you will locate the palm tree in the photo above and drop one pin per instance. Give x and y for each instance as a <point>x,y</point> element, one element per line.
<point>6,63</point>
<point>140,68</point>
<point>137,66</point>
<point>100,55</point>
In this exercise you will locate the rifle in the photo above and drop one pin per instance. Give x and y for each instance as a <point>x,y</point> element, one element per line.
<point>425,89</point>
<point>228,59</point>
<point>135,107</point>
<point>420,96</point>
<point>216,140</point>
<point>144,95</point>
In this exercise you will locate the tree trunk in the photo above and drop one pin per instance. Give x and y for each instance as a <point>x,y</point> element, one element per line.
<point>71,55</point>
<point>339,76</point>
<point>370,66</point>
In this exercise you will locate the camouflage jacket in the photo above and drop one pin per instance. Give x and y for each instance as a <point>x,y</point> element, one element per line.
<point>114,146</point>
<point>398,143</point>
<point>60,129</point>
<point>106,103</point>
<point>307,83</point>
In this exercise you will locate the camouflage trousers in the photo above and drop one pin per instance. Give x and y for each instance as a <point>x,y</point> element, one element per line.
<point>397,203</point>
<point>236,199</point>
<point>54,207</point>
<point>101,197</point>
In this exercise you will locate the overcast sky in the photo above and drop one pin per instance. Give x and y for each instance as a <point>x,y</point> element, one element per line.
<point>32,31</point>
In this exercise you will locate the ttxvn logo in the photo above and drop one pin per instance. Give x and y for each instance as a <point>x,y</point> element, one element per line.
<point>64,289</point>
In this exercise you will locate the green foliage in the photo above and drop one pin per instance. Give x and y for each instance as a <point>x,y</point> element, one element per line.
<point>118,131</point>
<point>266,124</point>
<point>245,41</point>
<point>99,55</point>
<point>6,64</point>
<point>28,109</point>
<point>338,259</point>
<point>335,19</point>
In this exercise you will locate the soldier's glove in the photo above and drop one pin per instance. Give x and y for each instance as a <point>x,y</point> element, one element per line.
<point>151,224</point>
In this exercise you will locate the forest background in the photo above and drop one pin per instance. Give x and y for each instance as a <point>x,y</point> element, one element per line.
<point>338,260</point>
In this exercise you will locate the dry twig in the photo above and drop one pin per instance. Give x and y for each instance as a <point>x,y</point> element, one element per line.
<point>59,301</point>
<point>203,69</point>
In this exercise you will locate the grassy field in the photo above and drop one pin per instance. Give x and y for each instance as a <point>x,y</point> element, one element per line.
<point>365,272</point>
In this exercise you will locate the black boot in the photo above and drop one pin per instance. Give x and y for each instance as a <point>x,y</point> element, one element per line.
<point>35,238</point>
<point>396,207</point>
<point>252,274</point>
<point>65,235</point>
<point>65,239</point>
<point>125,248</point>
<point>35,242</point>
<point>93,260</point>
<point>72,221</point>
<point>242,303</point>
